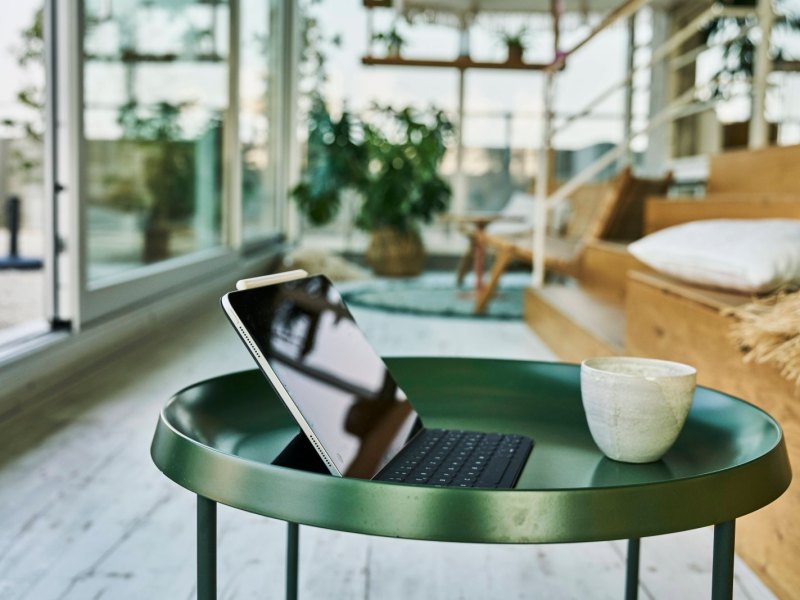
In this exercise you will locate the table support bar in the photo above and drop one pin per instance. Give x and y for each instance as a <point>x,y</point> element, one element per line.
<point>632,570</point>
<point>292,548</point>
<point>206,549</point>
<point>722,574</point>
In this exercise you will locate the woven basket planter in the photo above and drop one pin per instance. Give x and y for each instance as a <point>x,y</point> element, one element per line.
<point>394,253</point>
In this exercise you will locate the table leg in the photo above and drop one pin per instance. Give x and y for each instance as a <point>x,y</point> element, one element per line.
<point>722,574</point>
<point>292,547</point>
<point>632,570</point>
<point>466,262</point>
<point>479,256</point>
<point>206,549</point>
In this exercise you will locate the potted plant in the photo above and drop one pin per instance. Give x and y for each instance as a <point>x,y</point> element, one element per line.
<point>392,40</point>
<point>402,188</point>
<point>168,175</point>
<point>393,166</point>
<point>336,163</point>
<point>515,44</point>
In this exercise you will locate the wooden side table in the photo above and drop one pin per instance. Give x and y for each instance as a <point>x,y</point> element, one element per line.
<point>474,225</point>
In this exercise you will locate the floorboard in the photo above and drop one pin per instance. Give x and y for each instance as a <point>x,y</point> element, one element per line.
<point>84,514</point>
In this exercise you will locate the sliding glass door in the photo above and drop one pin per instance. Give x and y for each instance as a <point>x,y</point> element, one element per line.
<point>143,148</point>
<point>155,95</point>
<point>178,165</point>
<point>24,226</point>
<point>258,117</point>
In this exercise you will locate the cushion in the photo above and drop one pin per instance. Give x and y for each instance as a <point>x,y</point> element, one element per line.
<point>747,255</point>
<point>519,214</point>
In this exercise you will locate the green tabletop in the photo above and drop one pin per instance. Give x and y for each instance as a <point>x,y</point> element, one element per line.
<point>218,438</point>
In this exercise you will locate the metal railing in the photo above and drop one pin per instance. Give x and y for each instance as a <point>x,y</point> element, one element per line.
<point>687,103</point>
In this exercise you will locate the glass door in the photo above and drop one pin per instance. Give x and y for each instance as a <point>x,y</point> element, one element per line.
<point>155,105</point>
<point>143,157</point>
<point>24,224</point>
<point>265,28</point>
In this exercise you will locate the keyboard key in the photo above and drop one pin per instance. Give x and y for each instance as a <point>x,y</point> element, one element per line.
<point>493,472</point>
<point>456,458</point>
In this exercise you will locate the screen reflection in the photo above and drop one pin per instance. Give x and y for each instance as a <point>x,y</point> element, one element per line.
<point>336,379</point>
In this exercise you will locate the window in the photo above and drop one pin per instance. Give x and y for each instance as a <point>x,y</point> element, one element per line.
<point>167,150</point>
<point>258,99</point>
<point>155,96</point>
<point>23,283</point>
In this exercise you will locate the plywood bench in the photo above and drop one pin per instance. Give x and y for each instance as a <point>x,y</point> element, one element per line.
<point>671,320</point>
<point>603,269</point>
<point>742,184</point>
<point>660,213</point>
<point>618,305</point>
<point>575,323</point>
<point>674,321</point>
<point>773,169</point>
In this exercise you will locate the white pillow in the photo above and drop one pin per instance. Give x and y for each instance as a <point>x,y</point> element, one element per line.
<point>521,207</point>
<point>748,255</point>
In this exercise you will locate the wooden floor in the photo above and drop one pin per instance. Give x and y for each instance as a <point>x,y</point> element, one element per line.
<point>85,515</point>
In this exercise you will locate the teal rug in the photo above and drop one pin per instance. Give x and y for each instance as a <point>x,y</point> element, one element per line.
<point>435,296</point>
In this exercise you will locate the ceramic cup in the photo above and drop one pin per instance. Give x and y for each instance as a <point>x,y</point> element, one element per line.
<point>636,407</point>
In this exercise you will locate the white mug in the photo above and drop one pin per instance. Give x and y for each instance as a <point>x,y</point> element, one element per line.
<point>636,407</point>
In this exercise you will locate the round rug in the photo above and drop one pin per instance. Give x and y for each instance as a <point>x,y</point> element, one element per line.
<point>420,297</point>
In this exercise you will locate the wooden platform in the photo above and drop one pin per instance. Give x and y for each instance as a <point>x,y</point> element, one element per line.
<point>743,184</point>
<point>772,169</point>
<point>662,213</point>
<point>658,317</point>
<point>604,269</point>
<point>662,318</point>
<point>575,323</point>
<point>586,318</point>
<point>678,322</point>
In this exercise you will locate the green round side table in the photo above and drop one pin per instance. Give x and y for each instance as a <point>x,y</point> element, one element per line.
<point>219,438</point>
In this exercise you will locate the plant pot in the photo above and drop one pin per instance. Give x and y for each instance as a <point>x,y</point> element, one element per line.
<point>156,244</point>
<point>395,253</point>
<point>515,53</point>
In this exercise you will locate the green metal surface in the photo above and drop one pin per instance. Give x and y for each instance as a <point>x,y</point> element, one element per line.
<point>218,438</point>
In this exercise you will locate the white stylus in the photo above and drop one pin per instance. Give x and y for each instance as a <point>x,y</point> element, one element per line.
<point>254,282</point>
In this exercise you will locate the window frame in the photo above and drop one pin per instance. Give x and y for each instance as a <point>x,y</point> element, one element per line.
<point>78,299</point>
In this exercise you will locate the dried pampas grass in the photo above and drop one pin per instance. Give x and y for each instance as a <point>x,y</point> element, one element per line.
<point>768,331</point>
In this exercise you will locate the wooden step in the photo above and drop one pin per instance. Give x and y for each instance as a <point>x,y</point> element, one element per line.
<point>662,213</point>
<point>604,268</point>
<point>773,169</point>
<point>575,323</point>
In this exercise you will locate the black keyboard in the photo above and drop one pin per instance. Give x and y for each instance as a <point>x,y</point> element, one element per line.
<point>450,458</point>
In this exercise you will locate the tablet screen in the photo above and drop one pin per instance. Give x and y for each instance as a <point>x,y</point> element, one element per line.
<point>336,379</point>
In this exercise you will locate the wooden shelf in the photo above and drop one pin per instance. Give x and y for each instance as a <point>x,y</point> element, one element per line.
<point>788,66</point>
<point>461,63</point>
<point>132,57</point>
